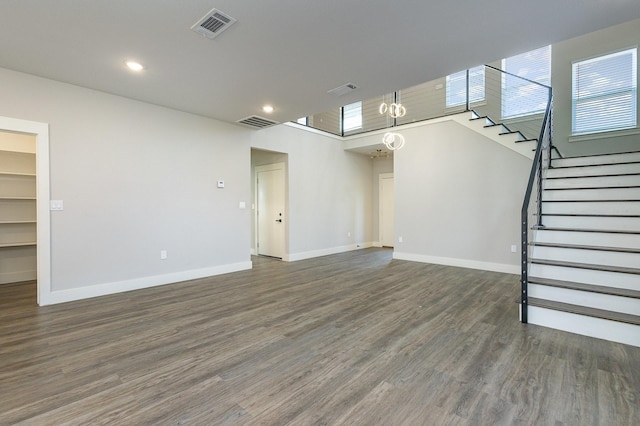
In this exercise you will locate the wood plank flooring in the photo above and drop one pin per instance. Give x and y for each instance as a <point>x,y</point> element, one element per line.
<point>353,339</point>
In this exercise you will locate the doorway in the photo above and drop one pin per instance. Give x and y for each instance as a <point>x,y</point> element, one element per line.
<point>40,131</point>
<point>270,210</point>
<point>386,209</point>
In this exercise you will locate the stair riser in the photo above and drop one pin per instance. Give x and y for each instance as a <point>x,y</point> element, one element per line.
<point>593,222</point>
<point>598,159</point>
<point>588,238</point>
<point>607,302</point>
<point>593,182</point>
<point>591,194</point>
<point>593,257</point>
<point>595,208</point>
<point>613,331</point>
<point>586,276</point>
<point>613,169</point>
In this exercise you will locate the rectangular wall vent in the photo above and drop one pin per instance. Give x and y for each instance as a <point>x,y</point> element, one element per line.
<point>343,90</point>
<point>213,23</point>
<point>257,122</point>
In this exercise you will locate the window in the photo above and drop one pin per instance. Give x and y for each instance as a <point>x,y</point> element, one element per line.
<point>457,87</point>
<point>352,117</point>
<point>604,93</point>
<point>521,96</point>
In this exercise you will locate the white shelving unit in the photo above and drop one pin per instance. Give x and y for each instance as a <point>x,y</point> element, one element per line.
<point>17,216</point>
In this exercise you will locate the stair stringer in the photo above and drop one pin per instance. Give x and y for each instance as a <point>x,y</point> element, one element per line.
<point>496,133</point>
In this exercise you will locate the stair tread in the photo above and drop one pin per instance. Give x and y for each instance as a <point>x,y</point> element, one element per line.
<point>587,247</point>
<point>527,140</point>
<point>590,176</point>
<point>590,201</point>
<point>604,231</point>
<point>605,268</point>
<point>593,187</point>
<point>603,155</point>
<point>578,166</point>
<point>586,287</point>
<point>582,310</point>
<point>589,215</point>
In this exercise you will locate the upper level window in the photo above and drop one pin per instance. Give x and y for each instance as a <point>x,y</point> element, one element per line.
<point>521,96</point>
<point>604,93</point>
<point>457,87</point>
<point>352,117</point>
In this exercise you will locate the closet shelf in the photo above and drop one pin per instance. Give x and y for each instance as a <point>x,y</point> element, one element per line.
<point>15,222</point>
<point>25,244</point>
<point>17,174</point>
<point>17,198</point>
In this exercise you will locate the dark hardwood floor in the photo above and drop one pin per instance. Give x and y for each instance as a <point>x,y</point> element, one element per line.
<point>354,339</point>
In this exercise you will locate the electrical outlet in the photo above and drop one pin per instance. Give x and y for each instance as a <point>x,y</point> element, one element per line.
<point>514,248</point>
<point>348,234</point>
<point>163,254</point>
<point>400,240</point>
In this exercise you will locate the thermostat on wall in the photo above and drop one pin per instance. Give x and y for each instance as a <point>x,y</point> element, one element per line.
<point>220,184</point>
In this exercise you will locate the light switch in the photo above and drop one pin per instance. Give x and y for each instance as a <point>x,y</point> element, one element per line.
<point>56,205</point>
<point>242,205</point>
<point>220,184</point>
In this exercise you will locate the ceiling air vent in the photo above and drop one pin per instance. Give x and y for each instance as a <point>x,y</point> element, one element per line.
<point>213,23</point>
<point>343,90</point>
<point>257,122</point>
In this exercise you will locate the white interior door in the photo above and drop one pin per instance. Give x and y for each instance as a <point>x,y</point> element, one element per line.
<point>386,200</point>
<point>271,210</point>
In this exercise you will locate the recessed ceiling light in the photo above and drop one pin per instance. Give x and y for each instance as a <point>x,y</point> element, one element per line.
<point>267,108</point>
<point>134,66</point>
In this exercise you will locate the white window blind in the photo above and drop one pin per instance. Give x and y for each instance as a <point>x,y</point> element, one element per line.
<point>604,93</point>
<point>352,117</point>
<point>521,97</point>
<point>457,87</point>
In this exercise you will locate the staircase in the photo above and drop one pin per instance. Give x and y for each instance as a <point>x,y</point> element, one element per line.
<point>584,266</point>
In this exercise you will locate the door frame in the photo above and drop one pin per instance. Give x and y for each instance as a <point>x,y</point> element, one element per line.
<point>43,218</point>
<point>381,177</point>
<point>266,168</point>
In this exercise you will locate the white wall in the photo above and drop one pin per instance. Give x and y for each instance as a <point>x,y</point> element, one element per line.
<point>458,197</point>
<point>330,191</point>
<point>135,179</point>
<point>599,43</point>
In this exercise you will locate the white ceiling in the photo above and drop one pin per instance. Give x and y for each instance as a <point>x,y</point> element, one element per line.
<point>288,53</point>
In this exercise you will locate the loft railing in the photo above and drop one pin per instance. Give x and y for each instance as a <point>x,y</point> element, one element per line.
<point>518,104</point>
<point>514,101</point>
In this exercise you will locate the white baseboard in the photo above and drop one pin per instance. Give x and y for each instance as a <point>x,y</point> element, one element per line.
<point>87,292</point>
<point>325,252</point>
<point>18,276</point>
<point>376,244</point>
<point>461,263</point>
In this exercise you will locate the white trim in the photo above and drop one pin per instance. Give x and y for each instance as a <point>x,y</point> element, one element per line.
<point>69,295</point>
<point>604,135</point>
<point>325,252</point>
<point>461,263</point>
<point>43,218</point>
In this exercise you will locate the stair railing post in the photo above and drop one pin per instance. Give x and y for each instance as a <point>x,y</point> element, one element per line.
<point>468,104</point>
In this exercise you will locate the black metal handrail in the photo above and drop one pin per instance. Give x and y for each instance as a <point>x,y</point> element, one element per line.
<point>541,159</point>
